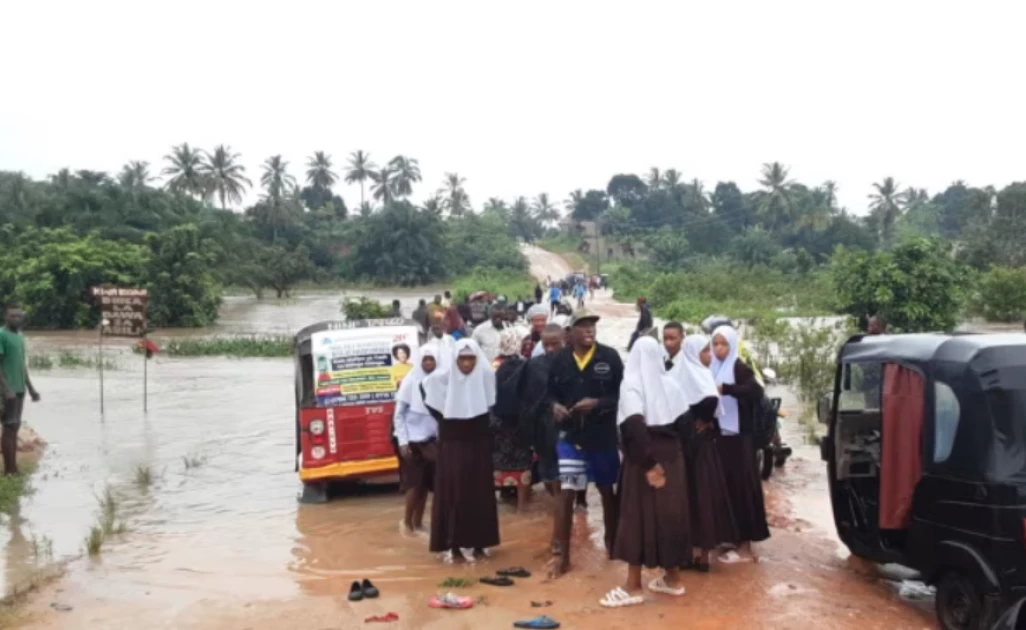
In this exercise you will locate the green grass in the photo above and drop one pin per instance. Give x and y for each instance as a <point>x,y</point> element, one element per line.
<point>566,246</point>
<point>68,359</point>
<point>94,541</point>
<point>451,582</point>
<point>13,487</point>
<point>247,346</point>
<point>143,477</point>
<point>108,522</point>
<point>509,283</point>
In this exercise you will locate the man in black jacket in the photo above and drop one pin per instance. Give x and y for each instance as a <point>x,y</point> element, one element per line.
<point>584,389</point>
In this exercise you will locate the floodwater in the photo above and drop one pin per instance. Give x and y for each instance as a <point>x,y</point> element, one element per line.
<point>219,542</point>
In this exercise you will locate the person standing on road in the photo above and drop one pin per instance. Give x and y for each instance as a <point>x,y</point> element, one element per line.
<point>511,455</point>
<point>487,335</point>
<point>538,293</point>
<point>416,431</point>
<point>579,291</point>
<point>14,383</point>
<point>584,387</point>
<point>420,315</point>
<point>464,514</point>
<point>712,520</point>
<point>537,317</point>
<point>644,321</point>
<point>740,393</point>
<point>654,526</point>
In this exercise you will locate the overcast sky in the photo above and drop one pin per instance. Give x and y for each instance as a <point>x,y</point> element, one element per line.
<point>526,97</point>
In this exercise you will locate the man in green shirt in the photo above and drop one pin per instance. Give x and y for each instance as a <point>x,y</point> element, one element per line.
<point>14,382</point>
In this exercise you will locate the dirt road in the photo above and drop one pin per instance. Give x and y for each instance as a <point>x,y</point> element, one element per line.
<point>224,546</point>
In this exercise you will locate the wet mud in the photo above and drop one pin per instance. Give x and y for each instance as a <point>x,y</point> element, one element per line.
<point>217,541</point>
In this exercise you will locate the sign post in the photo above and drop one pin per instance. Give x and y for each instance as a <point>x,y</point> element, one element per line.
<point>122,314</point>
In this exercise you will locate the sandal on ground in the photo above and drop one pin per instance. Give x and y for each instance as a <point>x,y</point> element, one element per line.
<point>659,585</point>
<point>355,592</point>
<point>544,622</point>
<point>369,590</point>
<point>502,580</point>
<point>618,598</point>
<point>386,618</point>
<point>543,604</point>
<point>517,572</point>
<point>451,601</point>
<point>468,555</point>
<point>732,557</point>
<point>447,557</point>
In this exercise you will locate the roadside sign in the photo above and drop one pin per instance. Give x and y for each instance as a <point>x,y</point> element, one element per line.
<point>122,311</point>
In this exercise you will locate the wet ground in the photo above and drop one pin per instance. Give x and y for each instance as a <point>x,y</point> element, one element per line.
<point>219,542</point>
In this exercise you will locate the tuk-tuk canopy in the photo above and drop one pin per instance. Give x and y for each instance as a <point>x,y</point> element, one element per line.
<point>987,375</point>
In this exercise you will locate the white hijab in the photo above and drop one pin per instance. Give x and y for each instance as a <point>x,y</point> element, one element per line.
<point>723,374</point>
<point>442,348</point>
<point>409,390</point>
<point>647,389</point>
<point>462,396</point>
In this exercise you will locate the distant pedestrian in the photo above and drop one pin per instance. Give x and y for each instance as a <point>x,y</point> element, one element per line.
<point>877,325</point>
<point>14,383</point>
<point>554,296</point>
<point>396,310</point>
<point>421,316</point>
<point>538,293</point>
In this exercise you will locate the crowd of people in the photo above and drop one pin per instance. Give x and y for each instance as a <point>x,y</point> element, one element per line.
<point>664,438</point>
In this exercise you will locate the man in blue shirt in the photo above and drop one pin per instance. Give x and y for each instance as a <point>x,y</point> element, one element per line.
<point>554,296</point>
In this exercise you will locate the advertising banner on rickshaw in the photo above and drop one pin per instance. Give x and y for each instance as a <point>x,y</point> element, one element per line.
<point>361,366</point>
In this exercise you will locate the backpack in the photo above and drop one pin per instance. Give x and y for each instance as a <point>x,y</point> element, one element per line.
<point>764,422</point>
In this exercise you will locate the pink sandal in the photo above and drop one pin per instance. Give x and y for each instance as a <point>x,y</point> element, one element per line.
<point>451,601</point>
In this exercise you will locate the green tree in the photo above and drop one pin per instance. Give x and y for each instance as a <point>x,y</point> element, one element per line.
<point>885,207</point>
<point>627,190</point>
<point>318,171</point>
<point>775,202</point>
<point>184,291</point>
<point>523,219</point>
<point>454,195</point>
<point>400,245</point>
<point>283,269</point>
<point>755,247</point>
<point>543,209</point>
<point>276,178</point>
<point>185,171</point>
<point>225,176</point>
<point>1002,295</point>
<point>917,285</point>
<point>407,173</point>
<point>135,175</point>
<point>494,205</point>
<point>668,249</point>
<point>655,178</point>
<point>384,185</point>
<point>359,171</point>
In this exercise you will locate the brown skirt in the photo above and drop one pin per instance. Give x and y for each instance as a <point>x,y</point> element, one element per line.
<point>464,512</point>
<point>654,526</point>
<point>712,519</point>
<point>418,470</point>
<point>744,487</point>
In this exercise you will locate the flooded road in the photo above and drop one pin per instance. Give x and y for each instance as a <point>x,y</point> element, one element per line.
<point>218,541</point>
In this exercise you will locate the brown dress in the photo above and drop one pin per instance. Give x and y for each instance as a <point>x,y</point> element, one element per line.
<point>464,512</point>
<point>712,518</point>
<point>653,528</point>
<point>737,454</point>
<point>418,470</point>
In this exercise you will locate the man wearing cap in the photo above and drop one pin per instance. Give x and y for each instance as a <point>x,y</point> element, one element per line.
<point>584,387</point>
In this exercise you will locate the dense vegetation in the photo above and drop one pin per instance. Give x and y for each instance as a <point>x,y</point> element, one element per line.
<point>789,249</point>
<point>84,228</point>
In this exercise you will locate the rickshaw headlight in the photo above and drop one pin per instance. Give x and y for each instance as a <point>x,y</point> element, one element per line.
<point>317,452</point>
<point>317,427</point>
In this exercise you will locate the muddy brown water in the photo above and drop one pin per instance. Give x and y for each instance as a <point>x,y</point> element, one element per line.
<point>222,543</point>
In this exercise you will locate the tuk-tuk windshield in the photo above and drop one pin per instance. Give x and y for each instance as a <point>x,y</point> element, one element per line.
<point>356,366</point>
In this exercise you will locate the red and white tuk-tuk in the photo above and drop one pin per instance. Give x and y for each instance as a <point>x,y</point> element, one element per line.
<point>347,374</point>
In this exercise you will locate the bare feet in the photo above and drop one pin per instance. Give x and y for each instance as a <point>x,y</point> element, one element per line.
<point>557,568</point>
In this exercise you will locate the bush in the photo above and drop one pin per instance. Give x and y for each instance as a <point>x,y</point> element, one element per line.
<point>1002,295</point>
<point>918,286</point>
<point>257,346</point>
<point>364,308</point>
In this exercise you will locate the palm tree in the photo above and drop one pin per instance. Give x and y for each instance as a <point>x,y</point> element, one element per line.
<point>433,205</point>
<point>454,196</point>
<point>544,210</point>
<point>885,206</point>
<point>655,178</point>
<point>62,179</point>
<point>319,174</point>
<point>775,205</point>
<point>495,205</point>
<point>522,222</point>
<point>93,178</point>
<point>696,192</point>
<point>360,167</point>
<point>135,175</point>
<point>384,185</point>
<point>407,173</point>
<point>184,169</point>
<point>276,179</point>
<point>575,199</point>
<point>225,176</point>
<point>830,194</point>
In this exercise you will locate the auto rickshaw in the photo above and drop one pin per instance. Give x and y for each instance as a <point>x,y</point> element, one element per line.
<point>926,464</point>
<point>347,375</point>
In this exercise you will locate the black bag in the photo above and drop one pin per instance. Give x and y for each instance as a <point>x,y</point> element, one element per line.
<point>764,422</point>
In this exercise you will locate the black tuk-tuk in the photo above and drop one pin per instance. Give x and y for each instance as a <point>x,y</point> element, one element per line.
<point>926,460</point>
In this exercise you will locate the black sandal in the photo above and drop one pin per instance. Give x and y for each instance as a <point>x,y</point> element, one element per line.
<point>502,580</point>
<point>517,572</point>
<point>369,590</point>
<point>355,592</point>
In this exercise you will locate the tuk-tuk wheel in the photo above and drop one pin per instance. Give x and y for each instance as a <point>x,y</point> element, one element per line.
<point>959,606</point>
